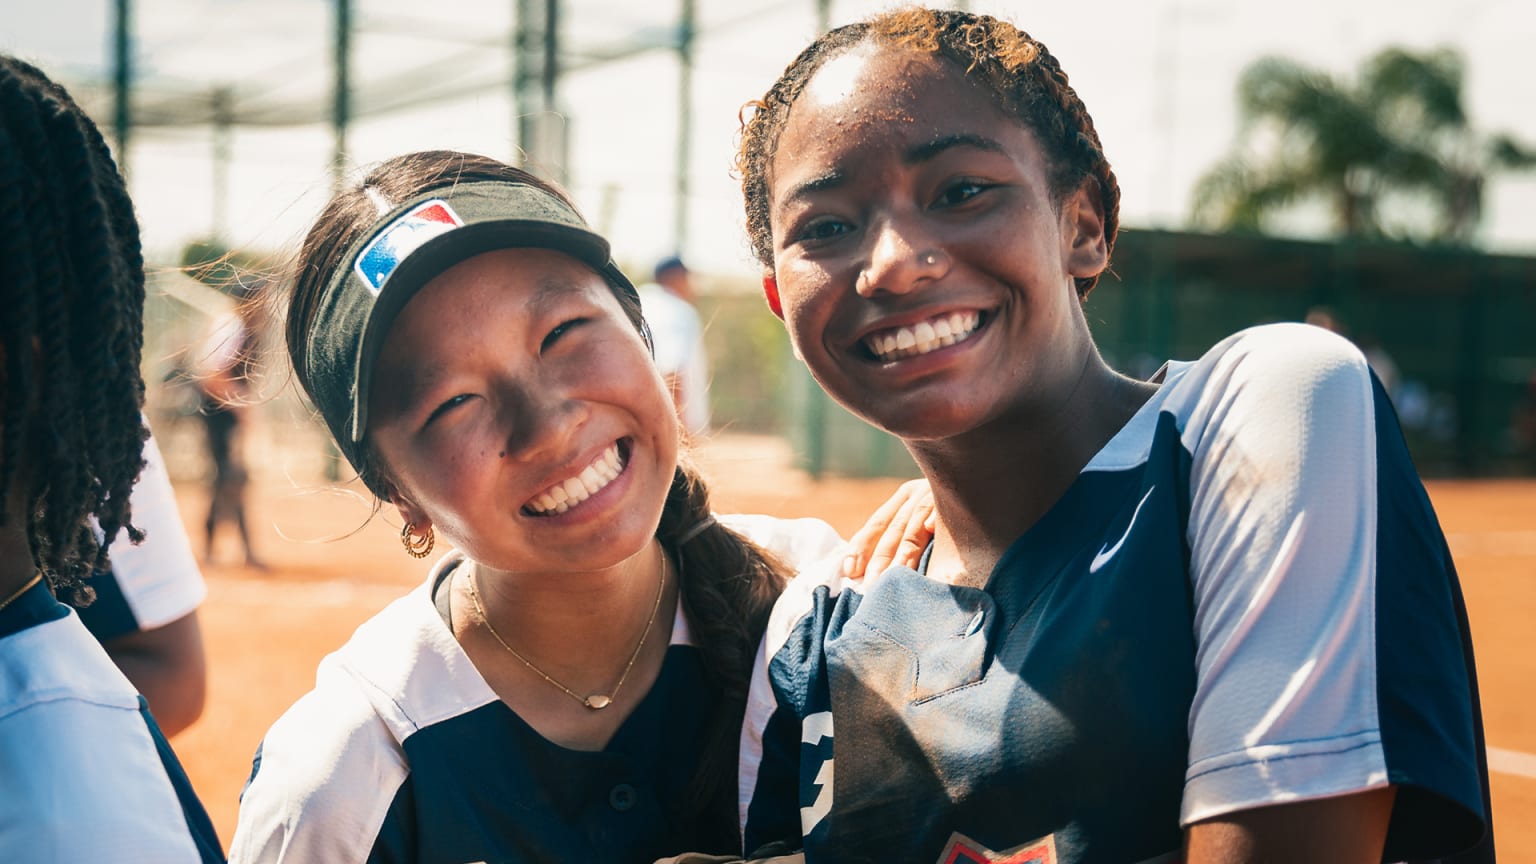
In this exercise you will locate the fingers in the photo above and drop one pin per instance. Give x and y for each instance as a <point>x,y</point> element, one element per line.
<point>896,533</point>
<point>902,544</point>
<point>863,542</point>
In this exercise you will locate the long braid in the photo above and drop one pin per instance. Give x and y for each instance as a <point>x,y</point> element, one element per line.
<point>1026,80</point>
<point>73,277</point>
<point>20,320</point>
<point>728,588</point>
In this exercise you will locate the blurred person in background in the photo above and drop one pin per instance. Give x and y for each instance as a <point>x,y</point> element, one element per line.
<point>226,364</point>
<point>85,773</point>
<point>678,333</point>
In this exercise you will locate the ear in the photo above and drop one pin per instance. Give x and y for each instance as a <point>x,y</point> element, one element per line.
<point>409,511</point>
<point>1085,250</point>
<point>771,294</point>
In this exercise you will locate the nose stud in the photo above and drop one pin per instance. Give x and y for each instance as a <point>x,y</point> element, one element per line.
<point>929,259</point>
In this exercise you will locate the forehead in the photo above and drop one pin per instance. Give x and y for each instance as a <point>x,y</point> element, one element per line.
<point>878,96</point>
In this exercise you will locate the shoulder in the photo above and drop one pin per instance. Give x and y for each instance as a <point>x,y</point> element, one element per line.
<point>322,779</point>
<point>1273,385</point>
<point>1284,357</point>
<point>328,770</point>
<point>60,661</point>
<point>71,730</point>
<point>798,542</point>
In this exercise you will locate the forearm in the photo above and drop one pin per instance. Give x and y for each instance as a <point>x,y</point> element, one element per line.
<point>167,666</point>
<point>1349,829</point>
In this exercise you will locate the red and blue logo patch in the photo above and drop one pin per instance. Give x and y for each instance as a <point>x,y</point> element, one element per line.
<point>963,850</point>
<point>409,232</point>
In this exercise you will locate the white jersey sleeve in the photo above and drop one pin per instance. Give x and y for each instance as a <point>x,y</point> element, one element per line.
<point>159,578</point>
<point>80,774</point>
<point>1283,537</point>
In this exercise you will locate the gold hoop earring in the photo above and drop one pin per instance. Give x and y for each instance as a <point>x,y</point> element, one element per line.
<point>417,547</point>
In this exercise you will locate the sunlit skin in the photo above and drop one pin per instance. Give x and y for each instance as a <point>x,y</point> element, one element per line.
<point>504,376</point>
<point>901,193</point>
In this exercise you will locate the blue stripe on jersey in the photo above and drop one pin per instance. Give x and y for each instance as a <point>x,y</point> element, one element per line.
<point>35,606</point>
<point>1428,739</point>
<point>198,824</point>
<point>109,616</point>
<point>485,786</point>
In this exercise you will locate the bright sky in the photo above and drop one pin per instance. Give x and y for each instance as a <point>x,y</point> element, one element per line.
<point>1158,76</point>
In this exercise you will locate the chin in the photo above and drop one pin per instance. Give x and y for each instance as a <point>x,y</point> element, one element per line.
<point>917,422</point>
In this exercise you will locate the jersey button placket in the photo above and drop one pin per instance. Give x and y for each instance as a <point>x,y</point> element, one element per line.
<point>622,797</point>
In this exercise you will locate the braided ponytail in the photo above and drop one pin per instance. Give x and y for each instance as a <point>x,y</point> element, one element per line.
<point>728,585</point>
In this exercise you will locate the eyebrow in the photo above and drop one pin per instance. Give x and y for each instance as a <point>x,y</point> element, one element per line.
<point>921,153</point>
<point>821,183</point>
<point>925,152</point>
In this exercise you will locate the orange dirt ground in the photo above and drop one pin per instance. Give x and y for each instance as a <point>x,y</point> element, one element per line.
<point>267,630</point>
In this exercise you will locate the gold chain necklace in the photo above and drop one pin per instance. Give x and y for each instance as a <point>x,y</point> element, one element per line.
<point>596,701</point>
<point>22,590</point>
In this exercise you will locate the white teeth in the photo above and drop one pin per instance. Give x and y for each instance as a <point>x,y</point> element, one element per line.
<point>570,493</point>
<point>924,336</point>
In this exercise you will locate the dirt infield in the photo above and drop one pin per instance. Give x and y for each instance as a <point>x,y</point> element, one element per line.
<point>267,630</point>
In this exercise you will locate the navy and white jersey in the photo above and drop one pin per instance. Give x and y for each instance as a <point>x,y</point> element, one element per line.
<point>84,772</point>
<point>403,753</point>
<point>1244,599</point>
<point>153,583</point>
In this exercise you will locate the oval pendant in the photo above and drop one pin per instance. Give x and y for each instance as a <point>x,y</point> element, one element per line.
<point>597,702</point>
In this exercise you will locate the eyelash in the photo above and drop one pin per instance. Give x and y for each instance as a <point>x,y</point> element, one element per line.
<point>975,188</point>
<point>449,404</point>
<point>560,330</point>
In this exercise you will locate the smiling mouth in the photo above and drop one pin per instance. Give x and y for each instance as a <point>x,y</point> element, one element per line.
<point>923,337</point>
<point>571,493</point>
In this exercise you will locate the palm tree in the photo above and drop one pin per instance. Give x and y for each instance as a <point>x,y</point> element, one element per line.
<point>1392,154</point>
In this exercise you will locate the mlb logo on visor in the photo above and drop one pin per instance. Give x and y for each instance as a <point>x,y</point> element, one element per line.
<point>404,236</point>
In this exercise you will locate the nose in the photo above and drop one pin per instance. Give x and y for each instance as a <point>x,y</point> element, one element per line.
<point>541,422</point>
<point>902,258</point>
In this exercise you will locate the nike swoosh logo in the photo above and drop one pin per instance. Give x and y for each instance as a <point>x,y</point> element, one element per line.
<point>1108,552</point>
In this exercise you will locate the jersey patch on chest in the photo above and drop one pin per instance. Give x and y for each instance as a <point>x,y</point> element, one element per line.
<point>963,850</point>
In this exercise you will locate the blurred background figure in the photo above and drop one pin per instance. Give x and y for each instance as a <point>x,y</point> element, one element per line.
<point>227,360</point>
<point>678,335</point>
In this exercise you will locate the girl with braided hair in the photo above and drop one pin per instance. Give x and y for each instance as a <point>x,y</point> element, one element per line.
<point>1208,616</point>
<point>84,772</point>
<point>568,683</point>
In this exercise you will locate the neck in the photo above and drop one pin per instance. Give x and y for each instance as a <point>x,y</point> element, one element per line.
<point>580,628</point>
<point>991,485</point>
<point>16,564</point>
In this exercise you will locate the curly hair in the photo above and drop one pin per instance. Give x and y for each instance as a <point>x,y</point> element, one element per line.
<point>1025,79</point>
<point>72,286</point>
